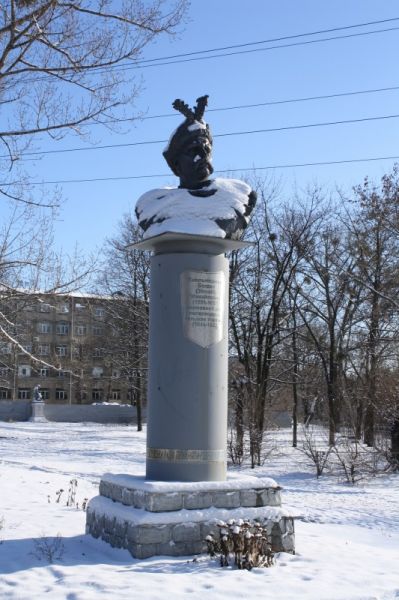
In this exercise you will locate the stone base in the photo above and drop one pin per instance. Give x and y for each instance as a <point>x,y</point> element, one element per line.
<point>38,412</point>
<point>172,518</point>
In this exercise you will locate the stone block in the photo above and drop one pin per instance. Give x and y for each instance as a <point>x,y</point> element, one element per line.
<point>180,548</point>
<point>99,521</point>
<point>197,500</point>
<point>132,533</point>
<point>288,543</point>
<point>127,497</point>
<point>120,528</point>
<point>116,492</point>
<point>169,548</point>
<point>109,523</point>
<point>106,537</point>
<point>189,548</point>
<point>186,532</point>
<point>142,550</point>
<point>105,489</point>
<point>274,497</point>
<point>276,538</point>
<point>90,517</point>
<point>289,525</point>
<point>117,541</point>
<point>139,499</point>
<point>153,534</point>
<point>282,525</point>
<point>225,499</point>
<point>248,498</point>
<point>164,502</point>
<point>262,497</point>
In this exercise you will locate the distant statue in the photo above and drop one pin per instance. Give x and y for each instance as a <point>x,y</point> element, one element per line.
<point>200,205</point>
<point>37,397</point>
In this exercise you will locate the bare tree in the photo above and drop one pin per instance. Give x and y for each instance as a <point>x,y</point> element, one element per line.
<point>66,64</point>
<point>125,276</point>
<point>260,277</point>
<point>327,304</point>
<point>376,250</point>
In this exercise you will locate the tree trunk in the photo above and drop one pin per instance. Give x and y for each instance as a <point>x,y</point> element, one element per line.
<point>395,444</point>
<point>369,426</point>
<point>239,425</point>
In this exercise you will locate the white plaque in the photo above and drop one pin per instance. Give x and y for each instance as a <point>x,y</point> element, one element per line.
<point>202,302</point>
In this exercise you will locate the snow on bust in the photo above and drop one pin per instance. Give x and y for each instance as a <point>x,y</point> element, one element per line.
<point>200,205</point>
<point>220,209</point>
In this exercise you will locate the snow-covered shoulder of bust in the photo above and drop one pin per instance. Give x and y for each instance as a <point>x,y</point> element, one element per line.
<point>178,210</point>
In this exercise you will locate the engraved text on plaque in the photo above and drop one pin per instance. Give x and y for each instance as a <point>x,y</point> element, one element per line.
<point>202,302</point>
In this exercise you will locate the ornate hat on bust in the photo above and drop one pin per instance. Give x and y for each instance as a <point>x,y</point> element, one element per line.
<point>194,127</point>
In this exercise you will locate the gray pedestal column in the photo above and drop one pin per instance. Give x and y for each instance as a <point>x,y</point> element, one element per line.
<point>188,357</point>
<point>38,412</point>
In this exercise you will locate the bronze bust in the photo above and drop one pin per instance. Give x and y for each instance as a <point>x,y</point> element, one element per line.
<point>200,205</point>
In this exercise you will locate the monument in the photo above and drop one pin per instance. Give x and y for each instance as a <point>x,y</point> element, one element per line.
<point>38,405</point>
<point>189,229</point>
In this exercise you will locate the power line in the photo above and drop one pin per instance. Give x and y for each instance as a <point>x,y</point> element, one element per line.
<point>271,40</point>
<point>241,170</point>
<point>259,104</point>
<point>193,56</point>
<point>291,45</point>
<point>226,134</point>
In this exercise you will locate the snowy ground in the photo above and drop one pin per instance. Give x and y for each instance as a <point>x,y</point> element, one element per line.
<point>347,537</point>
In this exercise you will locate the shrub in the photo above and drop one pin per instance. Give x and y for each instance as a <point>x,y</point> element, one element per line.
<point>245,542</point>
<point>50,549</point>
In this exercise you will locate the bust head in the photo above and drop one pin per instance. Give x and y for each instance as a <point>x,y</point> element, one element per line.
<point>188,153</point>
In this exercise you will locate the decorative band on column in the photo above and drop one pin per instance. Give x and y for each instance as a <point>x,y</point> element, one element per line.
<point>178,455</point>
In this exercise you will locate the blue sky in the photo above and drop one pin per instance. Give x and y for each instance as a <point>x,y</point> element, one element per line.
<point>92,210</point>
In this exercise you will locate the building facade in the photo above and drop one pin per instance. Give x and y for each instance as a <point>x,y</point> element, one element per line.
<point>68,345</point>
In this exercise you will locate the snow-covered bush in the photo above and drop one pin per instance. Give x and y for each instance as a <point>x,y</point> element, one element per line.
<point>245,542</point>
<point>356,461</point>
<point>50,549</point>
<point>315,447</point>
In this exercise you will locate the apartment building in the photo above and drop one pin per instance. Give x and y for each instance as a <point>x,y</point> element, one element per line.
<point>69,346</point>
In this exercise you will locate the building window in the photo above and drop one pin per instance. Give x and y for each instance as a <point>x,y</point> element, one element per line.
<point>45,393</point>
<point>98,352</point>
<point>43,349</point>
<point>23,393</point>
<point>5,347</point>
<point>61,350</point>
<point>96,395</point>
<point>63,308</point>
<point>5,394</point>
<point>97,330</point>
<point>44,307</point>
<point>116,373</point>
<point>99,311</point>
<point>62,373</point>
<point>44,372</point>
<point>60,394</point>
<point>80,329</point>
<point>62,328</point>
<point>4,371</point>
<point>24,370</point>
<point>44,327</point>
<point>115,395</point>
<point>97,371</point>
